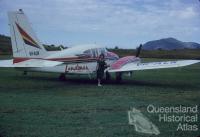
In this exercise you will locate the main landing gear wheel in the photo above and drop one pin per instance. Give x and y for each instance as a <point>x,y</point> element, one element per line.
<point>25,73</point>
<point>118,77</point>
<point>108,77</point>
<point>62,77</point>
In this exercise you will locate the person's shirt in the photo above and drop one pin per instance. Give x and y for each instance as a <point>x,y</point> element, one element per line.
<point>101,65</point>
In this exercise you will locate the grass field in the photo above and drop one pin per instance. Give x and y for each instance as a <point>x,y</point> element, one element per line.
<point>40,105</point>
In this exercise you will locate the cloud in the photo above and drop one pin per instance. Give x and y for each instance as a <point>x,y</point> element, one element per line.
<point>187,13</point>
<point>132,21</point>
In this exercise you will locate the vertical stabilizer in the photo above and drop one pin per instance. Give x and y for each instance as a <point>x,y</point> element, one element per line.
<point>25,44</point>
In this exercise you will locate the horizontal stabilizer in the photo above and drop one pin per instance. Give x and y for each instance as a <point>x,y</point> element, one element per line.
<point>31,63</point>
<point>154,65</point>
<point>6,63</point>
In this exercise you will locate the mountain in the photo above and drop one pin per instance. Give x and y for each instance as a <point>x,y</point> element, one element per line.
<point>169,44</point>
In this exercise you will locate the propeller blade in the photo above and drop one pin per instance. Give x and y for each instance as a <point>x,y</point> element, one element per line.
<point>138,50</point>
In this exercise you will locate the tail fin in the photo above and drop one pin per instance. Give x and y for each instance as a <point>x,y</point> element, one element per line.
<point>25,44</point>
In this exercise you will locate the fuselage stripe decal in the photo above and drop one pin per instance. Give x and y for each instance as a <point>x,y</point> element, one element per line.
<point>65,60</point>
<point>27,39</point>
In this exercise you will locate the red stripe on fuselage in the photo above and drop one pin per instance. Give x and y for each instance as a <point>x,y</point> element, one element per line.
<point>17,60</point>
<point>25,34</point>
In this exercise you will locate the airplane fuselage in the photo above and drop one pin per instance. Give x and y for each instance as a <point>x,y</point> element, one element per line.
<point>77,60</point>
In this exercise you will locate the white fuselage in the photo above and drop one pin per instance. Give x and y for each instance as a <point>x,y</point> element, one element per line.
<point>77,60</point>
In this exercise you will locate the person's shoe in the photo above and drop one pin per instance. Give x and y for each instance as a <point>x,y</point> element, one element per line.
<point>99,85</point>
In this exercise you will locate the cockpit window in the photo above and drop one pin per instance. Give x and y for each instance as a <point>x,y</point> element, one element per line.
<point>88,53</point>
<point>103,50</point>
<point>95,52</point>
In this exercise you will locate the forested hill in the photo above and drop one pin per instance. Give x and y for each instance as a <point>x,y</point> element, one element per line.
<point>6,48</point>
<point>5,44</point>
<point>170,44</point>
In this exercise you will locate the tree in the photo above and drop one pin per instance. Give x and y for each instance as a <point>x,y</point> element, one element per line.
<point>116,47</point>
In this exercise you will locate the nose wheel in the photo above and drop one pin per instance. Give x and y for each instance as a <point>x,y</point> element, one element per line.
<point>62,77</point>
<point>25,73</point>
<point>118,77</point>
<point>108,77</point>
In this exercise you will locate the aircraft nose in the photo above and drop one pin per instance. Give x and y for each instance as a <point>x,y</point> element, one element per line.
<point>112,55</point>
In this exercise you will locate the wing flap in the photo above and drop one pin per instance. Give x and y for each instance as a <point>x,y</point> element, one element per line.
<point>154,65</point>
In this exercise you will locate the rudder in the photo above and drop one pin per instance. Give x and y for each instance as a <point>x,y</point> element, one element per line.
<point>25,44</point>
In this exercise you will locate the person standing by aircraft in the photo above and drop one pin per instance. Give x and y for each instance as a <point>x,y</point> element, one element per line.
<point>101,66</point>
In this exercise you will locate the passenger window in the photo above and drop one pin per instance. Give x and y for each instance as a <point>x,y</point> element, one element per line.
<point>102,51</point>
<point>93,53</point>
<point>88,53</point>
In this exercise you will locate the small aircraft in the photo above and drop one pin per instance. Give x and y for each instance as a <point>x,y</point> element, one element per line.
<point>30,55</point>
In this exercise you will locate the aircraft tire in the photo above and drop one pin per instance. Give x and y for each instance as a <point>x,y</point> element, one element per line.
<point>62,77</point>
<point>118,77</point>
<point>25,73</point>
<point>108,77</point>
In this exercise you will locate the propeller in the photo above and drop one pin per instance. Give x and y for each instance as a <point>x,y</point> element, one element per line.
<point>138,50</point>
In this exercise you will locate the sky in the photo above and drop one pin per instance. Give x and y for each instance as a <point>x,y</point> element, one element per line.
<point>110,23</point>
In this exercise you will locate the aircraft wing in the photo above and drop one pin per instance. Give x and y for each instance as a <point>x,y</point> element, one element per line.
<point>32,63</point>
<point>153,65</point>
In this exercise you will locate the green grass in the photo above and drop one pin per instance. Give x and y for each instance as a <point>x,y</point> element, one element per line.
<point>40,105</point>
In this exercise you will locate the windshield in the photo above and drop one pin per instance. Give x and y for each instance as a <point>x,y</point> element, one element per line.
<point>95,52</point>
